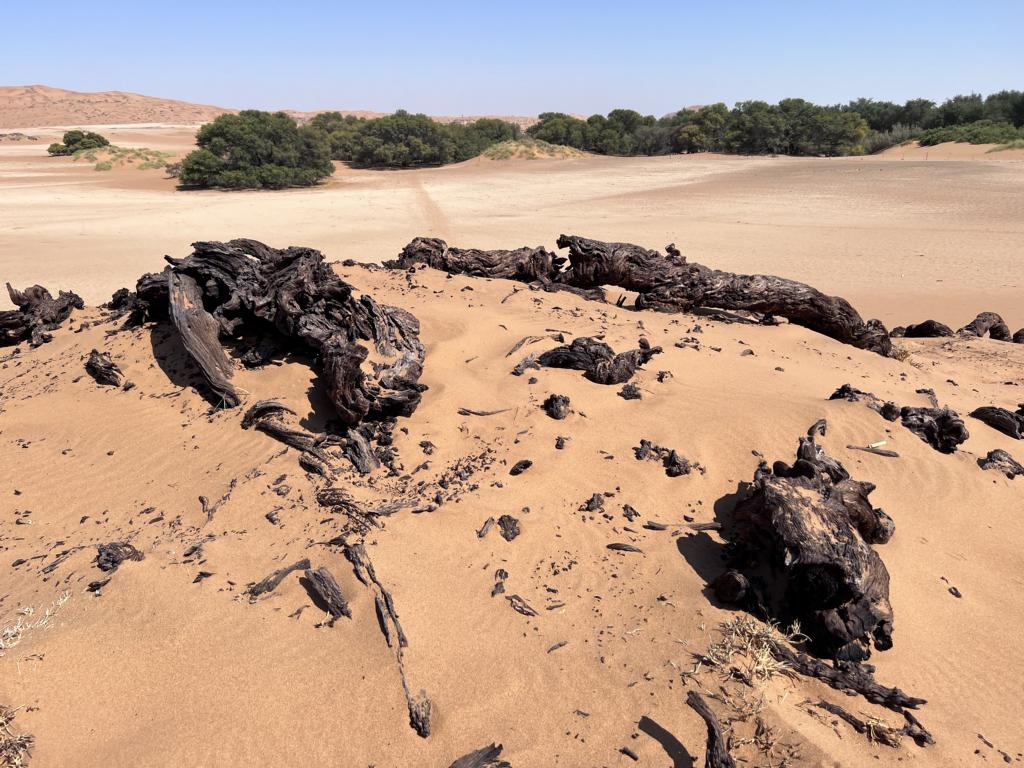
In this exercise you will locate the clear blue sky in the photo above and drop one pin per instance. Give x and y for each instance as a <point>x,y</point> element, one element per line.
<point>518,57</point>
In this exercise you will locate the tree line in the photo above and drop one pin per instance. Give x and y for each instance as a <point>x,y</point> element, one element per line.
<point>263,149</point>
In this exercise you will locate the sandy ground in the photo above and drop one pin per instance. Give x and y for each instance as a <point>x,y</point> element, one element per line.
<point>904,240</point>
<point>166,669</point>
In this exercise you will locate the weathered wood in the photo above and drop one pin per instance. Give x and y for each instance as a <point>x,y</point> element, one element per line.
<point>103,369</point>
<point>110,556</point>
<point>486,757</point>
<point>929,329</point>
<point>987,322</point>
<point>523,264</point>
<point>1008,422</point>
<point>557,406</point>
<point>324,586</point>
<point>717,748</point>
<point>252,291</point>
<point>597,360</point>
<point>198,331</point>
<point>1018,337</point>
<point>269,416</point>
<point>881,733</point>
<point>509,527</point>
<point>674,464</point>
<point>36,315</point>
<point>941,428</point>
<point>271,582</point>
<point>1001,461</point>
<point>846,676</point>
<point>806,531</point>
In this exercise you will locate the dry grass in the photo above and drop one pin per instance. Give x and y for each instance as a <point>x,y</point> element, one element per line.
<point>29,619</point>
<point>899,353</point>
<point>15,748</point>
<point>745,650</point>
<point>529,149</point>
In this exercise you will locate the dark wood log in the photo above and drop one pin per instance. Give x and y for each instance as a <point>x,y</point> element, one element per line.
<point>598,361</point>
<point>674,464</point>
<point>846,676</point>
<point>806,532</point>
<point>486,757</point>
<point>1008,422</point>
<point>36,315</point>
<point>325,588</point>
<point>523,264</point>
<point>557,406</point>
<point>1018,337</point>
<point>987,322</point>
<point>103,369</point>
<point>880,733</point>
<point>199,335</point>
<point>520,466</point>
<point>271,582</point>
<point>110,556</point>
<point>668,283</point>
<point>1001,461</point>
<point>252,291</point>
<point>929,329</point>
<point>941,428</point>
<point>717,748</point>
<point>269,416</point>
<point>386,613</point>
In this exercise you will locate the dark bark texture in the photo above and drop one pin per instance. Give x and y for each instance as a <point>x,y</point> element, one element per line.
<point>805,533</point>
<point>243,290</point>
<point>1008,422</point>
<point>664,282</point>
<point>717,749</point>
<point>597,360</point>
<point>36,315</point>
<point>103,369</point>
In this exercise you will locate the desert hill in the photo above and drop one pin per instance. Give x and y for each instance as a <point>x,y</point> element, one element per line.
<point>28,106</point>
<point>561,610</point>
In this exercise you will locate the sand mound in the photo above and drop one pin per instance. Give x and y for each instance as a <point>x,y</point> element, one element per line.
<point>530,149</point>
<point>41,105</point>
<point>951,150</point>
<point>538,630</point>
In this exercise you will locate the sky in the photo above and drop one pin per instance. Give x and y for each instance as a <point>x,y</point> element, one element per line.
<point>513,58</point>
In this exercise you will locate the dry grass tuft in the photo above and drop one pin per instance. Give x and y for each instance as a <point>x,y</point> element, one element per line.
<point>15,748</point>
<point>28,619</point>
<point>745,649</point>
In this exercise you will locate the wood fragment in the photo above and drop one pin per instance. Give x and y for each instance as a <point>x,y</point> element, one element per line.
<point>472,412</point>
<point>271,582</point>
<point>486,757</point>
<point>1008,422</point>
<point>520,606</point>
<point>36,315</point>
<point>324,586</point>
<point>877,451</point>
<point>1001,461</point>
<point>618,547</point>
<point>103,369</point>
<point>880,732</point>
<point>509,527</point>
<point>110,556</point>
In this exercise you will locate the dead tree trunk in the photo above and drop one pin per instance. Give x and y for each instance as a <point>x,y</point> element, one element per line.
<point>987,322</point>
<point>37,313</point>
<point>805,533</point>
<point>665,282</point>
<point>244,289</point>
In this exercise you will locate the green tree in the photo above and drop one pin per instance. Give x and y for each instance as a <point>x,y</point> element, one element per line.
<point>76,141</point>
<point>257,149</point>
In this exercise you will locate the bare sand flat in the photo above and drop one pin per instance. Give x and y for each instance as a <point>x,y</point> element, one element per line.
<point>903,240</point>
<point>172,664</point>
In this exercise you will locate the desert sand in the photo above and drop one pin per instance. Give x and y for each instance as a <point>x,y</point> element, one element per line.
<point>171,664</point>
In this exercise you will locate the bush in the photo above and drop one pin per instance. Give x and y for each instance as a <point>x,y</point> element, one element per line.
<point>878,141</point>
<point>104,165</point>
<point>404,140</point>
<point>255,149</point>
<point>978,132</point>
<point>76,141</point>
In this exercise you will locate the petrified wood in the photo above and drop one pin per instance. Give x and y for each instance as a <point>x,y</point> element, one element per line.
<point>37,313</point>
<point>805,532</point>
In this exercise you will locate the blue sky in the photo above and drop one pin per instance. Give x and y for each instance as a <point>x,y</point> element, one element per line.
<point>520,57</point>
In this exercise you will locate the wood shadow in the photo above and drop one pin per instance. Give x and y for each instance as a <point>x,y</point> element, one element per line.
<point>674,748</point>
<point>704,553</point>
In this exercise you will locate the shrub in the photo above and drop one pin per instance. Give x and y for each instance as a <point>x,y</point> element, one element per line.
<point>877,141</point>
<point>76,141</point>
<point>256,149</point>
<point>105,165</point>
<point>978,132</point>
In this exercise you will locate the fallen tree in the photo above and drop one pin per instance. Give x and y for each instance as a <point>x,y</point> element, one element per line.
<point>36,315</point>
<point>665,282</point>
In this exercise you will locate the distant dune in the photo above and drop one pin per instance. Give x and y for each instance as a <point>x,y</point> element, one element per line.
<point>33,106</point>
